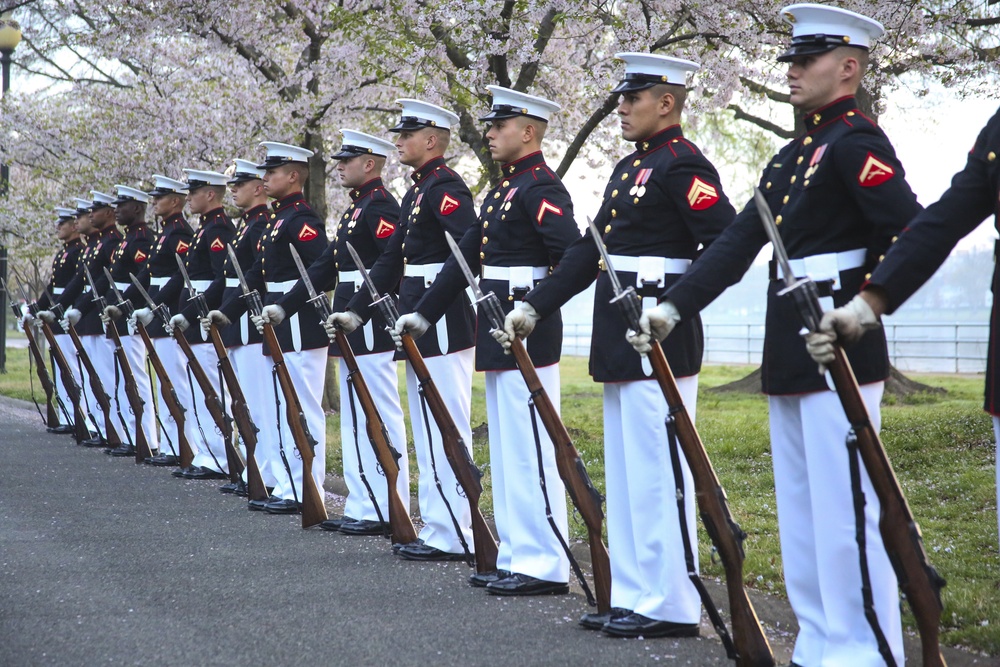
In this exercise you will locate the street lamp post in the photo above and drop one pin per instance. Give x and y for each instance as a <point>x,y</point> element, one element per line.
<point>10,37</point>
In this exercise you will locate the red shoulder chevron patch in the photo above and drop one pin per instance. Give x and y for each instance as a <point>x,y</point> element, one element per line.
<point>874,172</point>
<point>217,245</point>
<point>182,247</point>
<point>449,205</point>
<point>384,229</point>
<point>140,257</point>
<point>701,195</point>
<point>547,207</point>
<point>307,233</point>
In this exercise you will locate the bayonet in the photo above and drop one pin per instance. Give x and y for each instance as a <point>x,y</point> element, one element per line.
<point>196,296</point>
<point>627,299</point>
<point>161,310</point>
<point>251,296</point>
<point>384,303</point>
<point>494,312</point>
<point>318,300</point>
<point>98,299</point>
<point>123,303</point>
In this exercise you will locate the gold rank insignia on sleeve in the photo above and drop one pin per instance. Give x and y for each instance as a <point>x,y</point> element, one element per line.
<point>874,172</point>
<point>547,207</point>
<point>701,195</point>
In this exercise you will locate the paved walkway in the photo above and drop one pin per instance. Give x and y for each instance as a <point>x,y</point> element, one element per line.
<point>104,562</point>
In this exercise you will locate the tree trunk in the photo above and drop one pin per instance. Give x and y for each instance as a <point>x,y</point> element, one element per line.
<point>897,385</point>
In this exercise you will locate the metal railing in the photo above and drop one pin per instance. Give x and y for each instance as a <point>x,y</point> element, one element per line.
<point>939,347</point>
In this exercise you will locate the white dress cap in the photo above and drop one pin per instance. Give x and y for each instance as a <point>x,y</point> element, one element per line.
<point>163,185</point>
<point>100,200</point>
<point>125,193</point>
<point>279,154</point>
<point>82,206</point>
<point>417,115</point>
<point>199,179</point>
<point>643,70</point>
<point>245,170</point>
<point>821,28</point>
<point>509,103</point>
<point>65,213</point>
<point>359,143</point>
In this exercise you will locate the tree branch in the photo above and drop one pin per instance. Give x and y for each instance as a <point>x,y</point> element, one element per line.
<point>761,89</point>
<point>761,123</point>
<point>610,102</point>
<point>529,70</point>
<point>498,61</point>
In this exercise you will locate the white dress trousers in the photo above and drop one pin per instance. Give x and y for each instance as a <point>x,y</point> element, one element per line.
<point>174,364</point>
<point>135,351</point>
<point>528,544</point>
<point>818,533</point>
<point>648,567</point>
<point>307,370</point>
<point>65,344</point>
<point>379,373</point>
<point>101,353</point>
<point>208,443</point>
<point>996,435</point>
<point>452,375</point>
<point>253,370</point>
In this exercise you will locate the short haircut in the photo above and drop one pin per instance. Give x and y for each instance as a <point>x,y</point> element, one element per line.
<point>219,190</point>
<point>301,168</point>
<point>679,92</point>
<point>861,55</point>
<point>443,135</point>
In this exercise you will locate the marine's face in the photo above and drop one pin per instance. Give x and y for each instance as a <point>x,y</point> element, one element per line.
<point>65,230</point>
<point>243,193</point>
<point>505,139</point>
<point>199,200</point>
<point>278,181</point>
<point>637,113</point>
<point>813,81</point>
<point>412,147</point>
<point>351,171</point>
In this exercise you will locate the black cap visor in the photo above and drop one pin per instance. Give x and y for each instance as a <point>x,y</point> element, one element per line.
<point>811,45</point>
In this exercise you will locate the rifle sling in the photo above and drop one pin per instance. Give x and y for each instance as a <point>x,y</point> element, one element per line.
<point>197,418</point>
<point>591,600</point>
<point>858,494</point>
<point>357,448</point>
<point>281,443</point>
<point>469,558</point>
<point>706,599</point>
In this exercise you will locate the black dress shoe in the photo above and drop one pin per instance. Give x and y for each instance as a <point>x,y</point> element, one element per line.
<point>163,460</point>
<point>95,442</point>
<point>363,527</point>
<point>283,506</point>
<point>258,505</point>
<point>416,551</point>
<point>121,451</point>
<point>181,472</point>
<point>637,625</point>
<point>480,579</point>
<point>335,524</point>
<point>596,621</point>
<point>396,546</point>
<point>204,473</point>
<point>233,487</point>
<point>522,584</point>
<point>62,430</point>
<point>242,491</point>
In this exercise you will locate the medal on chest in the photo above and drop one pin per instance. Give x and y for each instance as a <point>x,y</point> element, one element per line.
<point>639,189</point>
<point>814,160</point>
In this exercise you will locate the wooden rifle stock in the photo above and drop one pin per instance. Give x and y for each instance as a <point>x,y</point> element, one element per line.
<point>256,490</point>
<point>573,474</point>
<point>82,431</point>
<point>400,524</point>
<point>51,414</point>
<point>212,400</point>
<point>169,397</point>
<point>919,581</point>
<point>313,507</point>
<point>142,450</point>
<point>748,637</point>
<point>97,387</point>
<point>458,456</point>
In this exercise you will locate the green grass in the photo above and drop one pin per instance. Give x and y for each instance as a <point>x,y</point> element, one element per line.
<point>941,447</point>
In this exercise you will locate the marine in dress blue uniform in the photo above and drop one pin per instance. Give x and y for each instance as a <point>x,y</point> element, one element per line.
<point>925,243</point>
<point>839,196</point>
<point>291,223</point>
<point>525,225</point>
<point>367,225</point>
<point>64,266</point>
<point>129,258</point>
<point>663,203</point>
<point>438,201</point>
<point>176,236</point>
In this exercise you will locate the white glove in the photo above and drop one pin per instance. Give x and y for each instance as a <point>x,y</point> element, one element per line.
<point>414,323</point>
<point>144,315</point>
<point>850,322</point>
<point>73,316</point>
<point>215,317</point>
<point>178,322</point>
<point>273,315</point>
<point>655,323</point>
<point>110,313</point>
<point>47,316</point>
<point>27,319</point>
<point>819,344</point>
<point>519,323</point>
<point>346,321</point>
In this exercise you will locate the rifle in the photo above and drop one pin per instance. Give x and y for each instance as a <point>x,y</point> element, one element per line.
<point>572,471</point>
<point>749,646</point>
<point>51,416</point>
<point>81,430</point>
<point>214,403</point>
<point>167,390</point>
<point>919,581</point>
<point>388,456</point>
<point>142,450</point>
<point>110,436</point>
<point>468,475</point>
<point>313,507</point>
